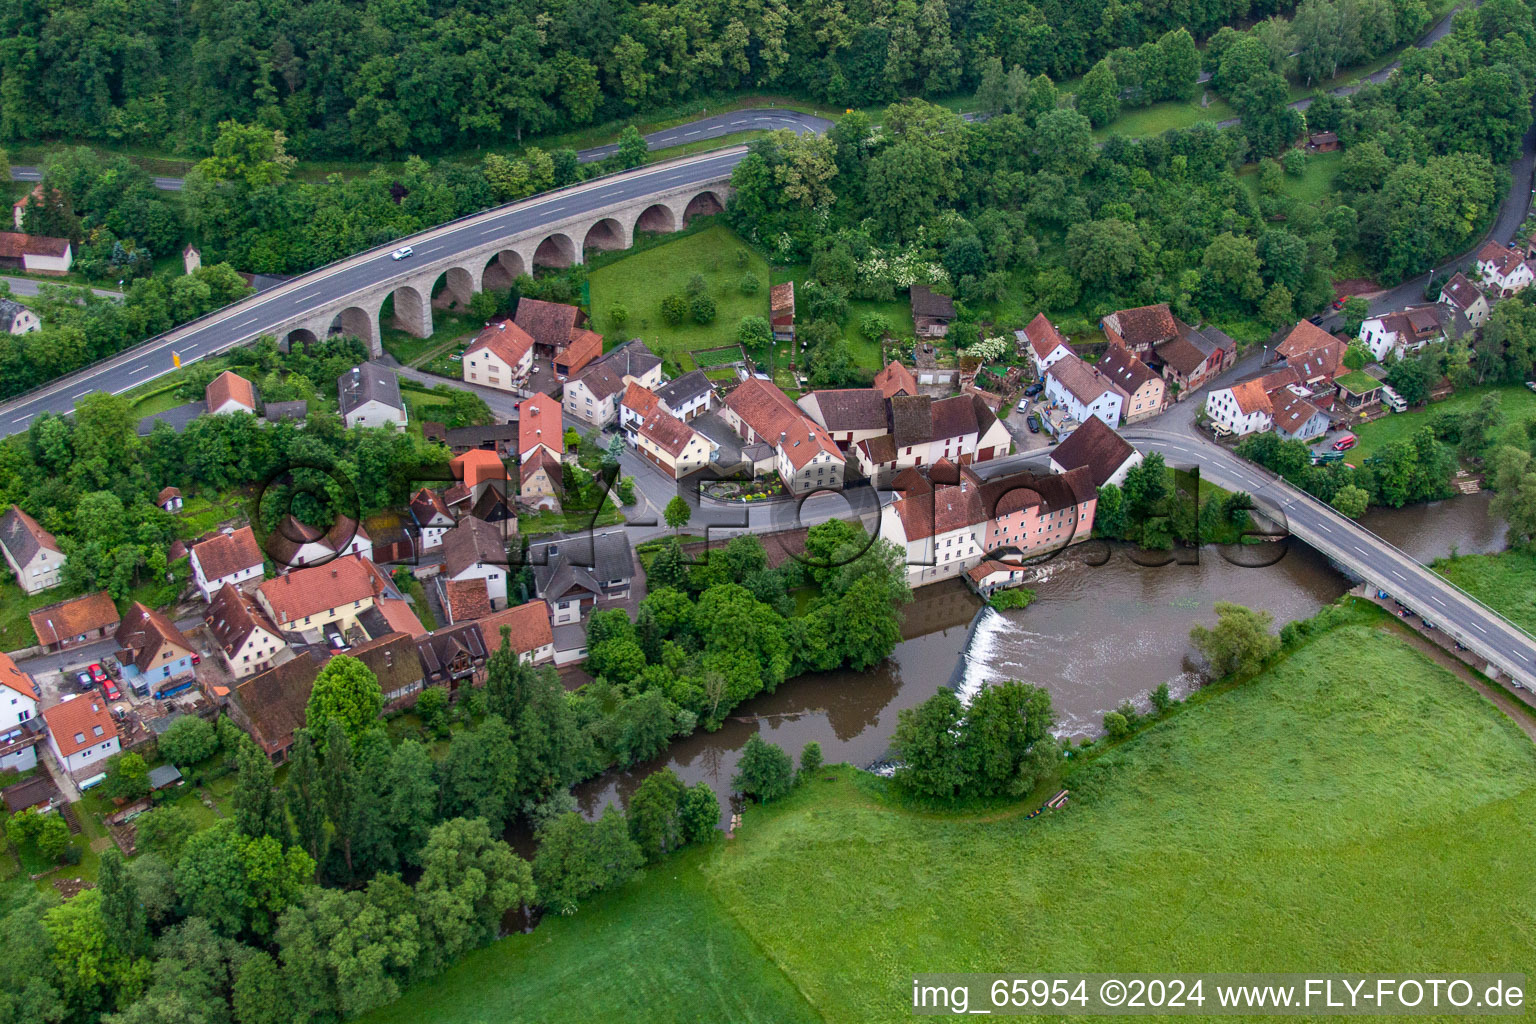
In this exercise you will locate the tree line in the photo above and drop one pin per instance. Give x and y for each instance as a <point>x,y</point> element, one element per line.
<point>378,79</point>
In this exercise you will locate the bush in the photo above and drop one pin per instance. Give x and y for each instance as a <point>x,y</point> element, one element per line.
<point>810,757</point>
<point>189,740</point>
<point>1294,162</point>
<point>618,316</point>
<point>764,771</point>
<point>750,285</point>
<point>743,258</point>
<point>432,707</point>
<point>1016,597</point>
<point>1116,725</point>
<point>53,838</point>
<point>1162,699</point>
<point>674,309</point>
<point>754,332</point>
<point>702,309</point>
<point>696,285</point>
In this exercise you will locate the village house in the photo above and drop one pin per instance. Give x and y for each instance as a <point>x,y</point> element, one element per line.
<point>1141,329</point>
<point>230,393</point>
<point>35,197</point>
<point>20,728</point>
<point>431,517</point>
<point>277,412</point>
<point>1106,455</point>
<point>230,556</point>
<point>153,650</point>
<point>895,380</point>
<point>475,549</point>
<point>393,660</point>
<point>78,621</point>
<point>806,457</point>
<point>1358,390</point>
<point>1322,142</point>
<point>82,734</point>
<point>950,521</point>
<point>592,395</point>
<point>540,425</point>
<point>1405,331</point>
<point>528,631</point>
<point>452,657</point>
<point>932,313</point>
<point>992,575</point>
<point>500,356</point>
<point>31,552</point>
<point>634,406</point>
<point>476,470</point>
<point>558,335</point>
<point>294,544</point>
<point>1193,358</point>
<point>1146,394</point>
<point>370,397</point>
<point>1461,294</point>
<point>169,499</point>
<point>672,446</point>
<point>575,574</point>
<point>923,431</point>
<point>1044,342</point>
<point>271,705</point>
<point>36,254</point>
<point>541,481</point>
<point>850,415</point>
<point>1315,355</point>
<point>248,641</point>
<point>17,319</point>
<point>1503,269</point>
<point>781,311</point>
<point>323,598</point>
<point>1279,400</point>
<point>688,396</point>
<point>191,259</point>
<point>1082,391</point>
<point>391,614</point>
<point>1297,417</point>
<point>464,600</point>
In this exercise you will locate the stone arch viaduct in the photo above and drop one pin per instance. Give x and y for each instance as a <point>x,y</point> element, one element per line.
<point>434,275</point>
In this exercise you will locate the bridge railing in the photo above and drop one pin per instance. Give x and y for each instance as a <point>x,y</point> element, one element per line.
<point>300,280</point>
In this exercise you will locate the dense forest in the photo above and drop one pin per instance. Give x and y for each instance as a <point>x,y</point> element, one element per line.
<point>383,77</point>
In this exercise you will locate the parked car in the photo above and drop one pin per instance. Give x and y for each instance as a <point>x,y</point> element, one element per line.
<point>84,680</point>
<point>1338,303</point>
<point>110,691</point>
<point>1034,389</point>
<point>403,252</point>
<point>337,641</point>
<point>197,659</point>
<point>1345,443</point>
<point>98,674</point>
<point>1034,424</point>
<point>1024,405</point>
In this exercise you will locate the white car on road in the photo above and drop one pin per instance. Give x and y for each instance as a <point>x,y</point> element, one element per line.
<point>402,252</point>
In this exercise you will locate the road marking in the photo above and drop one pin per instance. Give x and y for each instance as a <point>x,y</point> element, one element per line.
<point>431,250</point>
<point>139,369</point>
<point>249,321</point>
<point>1480,629</point>
<point>689,135</point>
<point>1399,575</point>
<point>87,391</point>
<point>21,419</point>
<point>1323,527</point>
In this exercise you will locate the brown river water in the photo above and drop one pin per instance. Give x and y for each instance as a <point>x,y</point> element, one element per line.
<point>1095,636</point>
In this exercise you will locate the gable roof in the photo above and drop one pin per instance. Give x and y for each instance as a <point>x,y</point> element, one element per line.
<point>953,417</point>
<point>427,505</point>
<point>369,383</point>
<point>58,622</point>
<point>232,618</point>
<point>473,542</point>
<point>274,701</point>
<point>1304,337</point>
<point>230,386</point>
<point>1461,292</point>
<point>10,309</point>
<point>608,556</point>
<point>1323,361</point>
<point>781,301</point>
<point>638,399</point>
<point>82,722</point>
<point>492,505</point>
<point>1144,325</point>
<point>1043,337</point>
<point>392,659</point>
<point>848,408</point>
<point>23,538</point>
<point>682,390</point>
<point>1082,381</point>
<point>1289,410</point>
<point>527,624</point>
<point>895,379</point>
<point>879,450</point>
<point>13,678</point>
<point>928,303</point>
<point>1251,397</point>
<point>437,650</point>
<point>1503,257</point>
<point>14,245</point>
<point>144,631</point>
<point>291,536</point>
<point>1120,365</point>
<point>166,494</point>
<point>225,554</point>
<point>1187,351</point>
<point>1095,447</point>
<point>466,599</point>
<point>304,592</point>
<point>539,421</point>
<point>771,414</point>
<point>476,466</point>
<point>549,323</point>
<point>667,432</point>
<point>504,340</point>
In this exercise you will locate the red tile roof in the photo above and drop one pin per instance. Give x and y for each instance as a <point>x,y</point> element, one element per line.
<point>1251,397</point>
<point>1304,337</point>
<point>528,625</point>
<point>67,619</point>
<point>1121,366</point>
<point>232,617</point>
<point>304,592</point>
<point>466,599</point>
<point>230,385</point>
<point>145,631</point>
<point>1504,258</point>
<point>667,432</point>
<point>503,339</point>
<point>82,722</point>
<point>1144,325</point>
<point>14,678</point>
<point>640,400</point>
<point>166,494</point>
<point>1461,291</point>
<point>540,421</point>
<point>476,466</point>
<point>224,554</point>
<point>584,347</point>
<point>1043,336</point>
<point>14,245</point>
<point>399,616</point>
<point>1095,446</point>
<point>1081,381</point>
<point>895,379</point>
<point>770,413</point>
<point>549,323</point>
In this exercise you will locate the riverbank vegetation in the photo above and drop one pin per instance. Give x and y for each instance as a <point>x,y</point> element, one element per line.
<point>1505,582</point>
<point>1156,506</point>
<point>1301,804</point>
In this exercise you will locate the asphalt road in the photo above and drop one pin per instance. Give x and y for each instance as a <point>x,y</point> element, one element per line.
<point>265,311</point>
<point>713,127</point>
<point>29,286</point>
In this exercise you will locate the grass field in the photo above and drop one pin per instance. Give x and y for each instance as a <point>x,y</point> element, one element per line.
<point>1137,122</point>
<point>1505,582</point>
<point>1354,808</point>
<point>446,327</point>
<point>1518,403</point>
<point>640,281</point>
<point>866,354</point>
<point>1314,185</point>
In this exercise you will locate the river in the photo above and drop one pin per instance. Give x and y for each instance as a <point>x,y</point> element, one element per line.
<point>1095,636</point>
